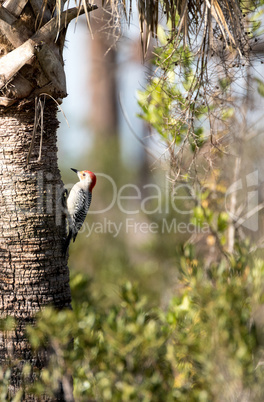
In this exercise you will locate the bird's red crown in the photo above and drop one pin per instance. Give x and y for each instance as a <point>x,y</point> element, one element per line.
<point>84,173</point>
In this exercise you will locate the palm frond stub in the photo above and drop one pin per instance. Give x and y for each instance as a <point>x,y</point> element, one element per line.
<point>32,35</point>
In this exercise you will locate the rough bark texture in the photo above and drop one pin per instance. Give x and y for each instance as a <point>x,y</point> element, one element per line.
<point>33,271</point>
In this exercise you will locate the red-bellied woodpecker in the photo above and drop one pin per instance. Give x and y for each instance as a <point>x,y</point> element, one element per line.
<point>78,203</point>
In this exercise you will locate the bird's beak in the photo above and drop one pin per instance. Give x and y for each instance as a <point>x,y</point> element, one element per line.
<point>74,170</point>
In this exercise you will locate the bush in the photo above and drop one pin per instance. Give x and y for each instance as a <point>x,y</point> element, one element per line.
<point>205,346</point>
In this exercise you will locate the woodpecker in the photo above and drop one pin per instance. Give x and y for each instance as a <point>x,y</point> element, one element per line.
<point>78,203</point>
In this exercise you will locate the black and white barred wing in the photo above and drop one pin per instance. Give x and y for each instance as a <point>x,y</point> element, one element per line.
<point>82,205</point>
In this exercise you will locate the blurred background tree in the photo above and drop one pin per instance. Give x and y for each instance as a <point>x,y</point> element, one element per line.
<point>115,150</point>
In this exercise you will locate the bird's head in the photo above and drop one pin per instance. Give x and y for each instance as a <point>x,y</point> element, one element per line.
<point>86,177</point>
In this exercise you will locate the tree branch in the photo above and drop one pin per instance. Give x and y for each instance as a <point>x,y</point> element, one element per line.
<point>12,62</point>
<point>15,7</point>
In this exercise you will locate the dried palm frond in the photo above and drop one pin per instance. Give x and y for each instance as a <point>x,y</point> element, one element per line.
<point>148,19</point>
<point>196,31</point>
<point>205,21</point>
<point>200,22</point>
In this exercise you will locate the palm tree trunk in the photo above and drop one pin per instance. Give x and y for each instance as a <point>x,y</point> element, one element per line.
<point>33,272</point>
<point>33,269</point>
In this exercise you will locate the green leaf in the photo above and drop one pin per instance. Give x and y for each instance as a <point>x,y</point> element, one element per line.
<point>222,221</point>
<point>260,86</point>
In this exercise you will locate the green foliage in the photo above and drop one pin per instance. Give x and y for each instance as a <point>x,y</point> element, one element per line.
<point>205,344</point>
<point>260,86</point>
<point>168,102</point>
<point>7,324</point>
<point>4,383</point>
<point>118,354</point>
<point>212,344</point>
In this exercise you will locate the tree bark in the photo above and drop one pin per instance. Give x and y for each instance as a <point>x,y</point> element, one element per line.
<point>33,270</point>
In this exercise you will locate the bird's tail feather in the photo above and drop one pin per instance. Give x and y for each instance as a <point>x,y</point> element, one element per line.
<point>67,242</point>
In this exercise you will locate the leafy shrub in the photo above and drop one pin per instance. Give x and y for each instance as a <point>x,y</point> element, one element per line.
<point>205,346</point>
